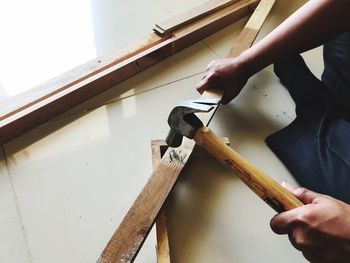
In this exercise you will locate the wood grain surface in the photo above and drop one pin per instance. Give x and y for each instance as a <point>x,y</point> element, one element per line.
<point>163,250</point>
<point>170,25</point>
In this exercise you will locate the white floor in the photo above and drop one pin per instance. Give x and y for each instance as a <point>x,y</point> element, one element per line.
<point>66,185</point>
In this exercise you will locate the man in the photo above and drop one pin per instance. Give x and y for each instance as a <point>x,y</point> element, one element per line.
<point>315,147</point>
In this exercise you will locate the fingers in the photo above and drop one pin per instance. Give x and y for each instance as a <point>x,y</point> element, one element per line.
<point>211,64</point>
<point>207,80</point>
<point>212,78</point>
<point>224,74</point>
<point>305,195</point>
<point>300,235</point>
<point>203,85</point>
<point>315,255</point>
<point>282,223</point>
<point>300,239</point>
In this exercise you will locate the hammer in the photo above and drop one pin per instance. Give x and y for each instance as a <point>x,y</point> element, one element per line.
<point>183,122</point>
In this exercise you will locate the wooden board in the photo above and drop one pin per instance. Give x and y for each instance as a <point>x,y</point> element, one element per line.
<point>159,147</point>
<point>131,233</point>
<point>99,75</point>
<point>163,250</point>
<point>170,25</point>
<point>248,33</point>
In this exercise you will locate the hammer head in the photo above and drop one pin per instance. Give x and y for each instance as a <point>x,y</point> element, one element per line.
<point>183,121</point>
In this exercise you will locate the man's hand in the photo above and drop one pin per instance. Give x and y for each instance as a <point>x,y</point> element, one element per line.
<point>320,229</point>
<point>228,74</point>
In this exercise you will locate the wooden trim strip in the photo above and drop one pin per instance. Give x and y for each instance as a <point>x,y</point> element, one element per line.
<point>117,69</point>
<point>131,233</point>
<point>75,76</point>
<point>163,249</point>
<point>159,147</point>
<point>128,238</point>
<point>248,34</point>
<point>170,25</point>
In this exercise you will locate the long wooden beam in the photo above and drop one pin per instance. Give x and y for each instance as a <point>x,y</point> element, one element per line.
<point>171,24</point>
<point>78,85</point>
<point>131,233</point>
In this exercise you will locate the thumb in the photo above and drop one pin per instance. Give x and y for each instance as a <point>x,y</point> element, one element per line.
<point>305,195</point>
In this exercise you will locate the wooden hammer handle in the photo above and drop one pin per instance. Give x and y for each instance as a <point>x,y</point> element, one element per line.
<point>279,198</point>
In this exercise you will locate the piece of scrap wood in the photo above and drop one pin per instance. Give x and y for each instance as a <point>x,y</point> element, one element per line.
<point>249,32</point>
<point>163,252</point>
<point>131,233</point>
<point>170,25</point>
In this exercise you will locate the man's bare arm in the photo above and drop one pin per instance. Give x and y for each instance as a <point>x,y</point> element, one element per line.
<point>310,26</point>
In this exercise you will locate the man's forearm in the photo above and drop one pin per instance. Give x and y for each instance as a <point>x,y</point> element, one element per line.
<point>312,25</point>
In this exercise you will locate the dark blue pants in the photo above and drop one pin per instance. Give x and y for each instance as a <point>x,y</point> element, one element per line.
<point>315,147</point>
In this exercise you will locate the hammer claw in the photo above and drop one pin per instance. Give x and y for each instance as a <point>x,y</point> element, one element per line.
<point>183,121</point>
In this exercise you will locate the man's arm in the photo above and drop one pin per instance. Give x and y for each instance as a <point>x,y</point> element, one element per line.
<point>312,25</point>
<point>320,229</point>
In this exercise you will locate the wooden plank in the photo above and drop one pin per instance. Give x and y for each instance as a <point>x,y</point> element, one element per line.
<point>170,25</point>
<point>104,74</point>
<point>159,147</point>
<point>249,32</point>
<point>129,236</point>
<point>131,233</point>
<point>163,251</point>
<point>72,77</point>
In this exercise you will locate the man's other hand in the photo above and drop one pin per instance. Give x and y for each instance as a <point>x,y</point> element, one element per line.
<point>320,229</point>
